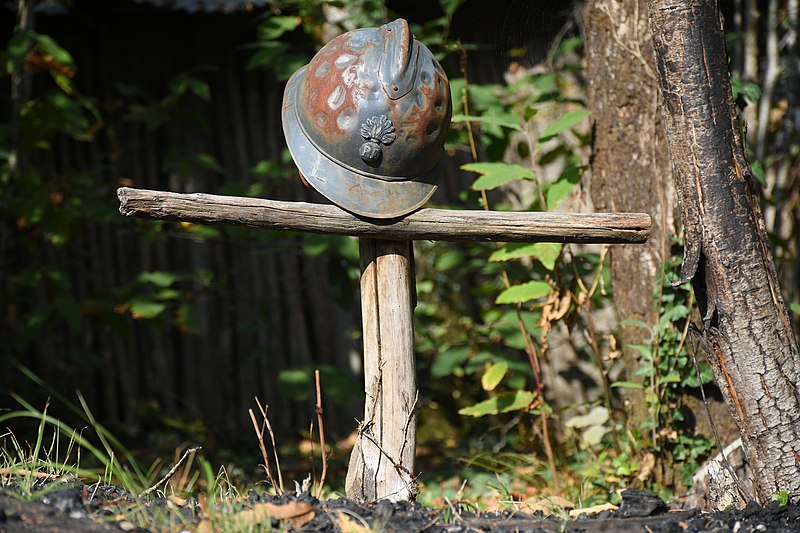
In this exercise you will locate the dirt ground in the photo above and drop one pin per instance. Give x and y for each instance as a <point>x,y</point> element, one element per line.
<point>94,509</point>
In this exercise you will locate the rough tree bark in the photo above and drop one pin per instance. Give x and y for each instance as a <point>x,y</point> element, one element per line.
<point>629,145</point>
<point>746,331</point>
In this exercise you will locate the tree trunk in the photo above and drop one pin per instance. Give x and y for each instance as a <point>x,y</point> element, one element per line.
<point>382,462</point>
<point>629,145</point>
<point>746,331</point>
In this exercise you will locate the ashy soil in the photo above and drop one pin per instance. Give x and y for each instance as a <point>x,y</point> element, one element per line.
<point>106,508</point>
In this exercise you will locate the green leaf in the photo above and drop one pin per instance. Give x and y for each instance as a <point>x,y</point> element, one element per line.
<point>296,383</point>
<point>545,252</point>
<point>315,245</point>
<point>782,498</point>
<point>146,309</point>
<point>447,361</point>
<point>448,260</point>
<point>209,162</point>
<point>340,385</point>
<point>504,403</point>
<point>494,375</point>
<point>485,96</point>
<point>570,44</point>
<point>202,230</point>
<point>751,92</point>
<point>48,46</point>
<point>795,307</point>
<point>507,326</point>
<point>563,123</point>
<point>265,168</point>
<point>275,26</point>
<point>199,88</point>
<point>758,172</point>
<point>16,51</point>
<point>449,6</point>
<point>706,376</point>
<point>185,82</point>
<point>626,385</point>
<point>63,82</point>
<point>524,292</point>
<point>494,175</point>
<point>167,294</point>
<point>516,381</point>
<point>672,377</point>
<point>159,278</point>
<point>635,323</point>
<point>530,112</point>
<point>287,65</point>
<point>562,187</point>
<point>266,55</point>
<point>497,120</point>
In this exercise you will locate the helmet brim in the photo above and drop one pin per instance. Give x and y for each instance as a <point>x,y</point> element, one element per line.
<point>362,195</point>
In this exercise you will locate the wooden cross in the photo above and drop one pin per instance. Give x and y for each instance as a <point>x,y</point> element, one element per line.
<point>382,461</point>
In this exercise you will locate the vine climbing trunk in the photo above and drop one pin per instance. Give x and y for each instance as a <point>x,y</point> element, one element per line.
<point>745,331</point>
<point>382,461</point>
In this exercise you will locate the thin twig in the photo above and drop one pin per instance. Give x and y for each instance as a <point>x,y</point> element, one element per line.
<point>264,410</point>
<point>409,419</point>
<point>323,452</point>
<point>171,472</point>
<point>260,436</point>
<point>312,476</point>
<point>96,486</point>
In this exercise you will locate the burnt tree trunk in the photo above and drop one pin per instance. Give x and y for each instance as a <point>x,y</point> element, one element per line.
<point>628,144</point>
<point>746,331</point>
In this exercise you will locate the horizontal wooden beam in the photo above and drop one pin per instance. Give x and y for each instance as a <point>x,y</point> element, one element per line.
<point>433,224</point>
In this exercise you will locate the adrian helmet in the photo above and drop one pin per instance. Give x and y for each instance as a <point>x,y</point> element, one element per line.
<point>366,121</point>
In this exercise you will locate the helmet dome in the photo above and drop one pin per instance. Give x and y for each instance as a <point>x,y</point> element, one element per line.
<point>366,121</point>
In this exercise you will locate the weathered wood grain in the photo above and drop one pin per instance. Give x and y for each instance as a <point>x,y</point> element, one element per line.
<point>382,461</point>
<point>433,224</point>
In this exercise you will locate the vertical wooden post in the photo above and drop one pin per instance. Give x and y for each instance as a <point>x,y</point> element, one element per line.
<point>382,462</point>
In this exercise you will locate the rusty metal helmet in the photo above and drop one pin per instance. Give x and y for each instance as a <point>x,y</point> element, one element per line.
<point>366,120</point>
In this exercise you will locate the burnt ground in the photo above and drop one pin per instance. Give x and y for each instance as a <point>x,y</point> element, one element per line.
<point>94,509</point>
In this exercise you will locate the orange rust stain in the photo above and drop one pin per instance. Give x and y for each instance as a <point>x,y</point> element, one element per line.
<point>763,419</point>
<point>764,386</point>
<point>738,169</point>
<point>731,388</point>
